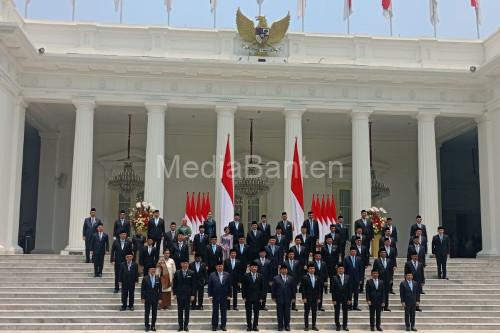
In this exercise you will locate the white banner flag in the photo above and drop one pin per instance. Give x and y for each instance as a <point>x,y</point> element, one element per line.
<point>72,3</point>
<point>117,5</point>
<point>168,5</point>
<point>433,7</point>
<point>301,8</point>
<point>260,2</point>
<point>213,5</point>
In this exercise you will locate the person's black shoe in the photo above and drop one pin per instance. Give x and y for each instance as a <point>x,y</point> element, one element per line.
<point>179,329</point>
<point>345,328</point>
<point>249,329</point>
<point>414,329</point>
<point>214,329</point>
<point>287,328</point>
<point>338,328</point>
<point>115,291</point>
<point>315,328</point>
<point>131,308</point>
<point>446,278</point>
<point>255,329</point>
<point>407,329</point>
<point>349,307</point>
<point>387,309</point>
<point>200,307</point>
<point>186,329</point>
<point>280,329</point>
<point>322,309</point>
<point>223,328</point>
<point>306,329</point>
<point>123,308</point>
<point>153,328</point>
<point>422,292</point>
<point>372,329</point>
<point>146,329</point>
<point>193,307</point>
<point>419,309</point>
<point>357,309</point>
<point>235,308</point>
<point>96,275</point>
<point>392,292</point>
<point>379,329</point>
<point>87,261</point>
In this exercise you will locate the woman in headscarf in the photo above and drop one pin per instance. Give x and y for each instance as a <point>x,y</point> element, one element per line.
<point>166,269</point>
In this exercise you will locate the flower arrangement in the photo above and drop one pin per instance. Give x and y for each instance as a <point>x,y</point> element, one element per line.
<point>140,215</point>
<point>377,215</point>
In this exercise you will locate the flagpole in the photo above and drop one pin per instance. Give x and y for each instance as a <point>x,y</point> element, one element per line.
<point>121,11</point>
<point>168,18</point>
<point>26,3</point>
<point>260,9</point>
<point>348,25</point>
<point>435,30</point>
<point>303,13</point>
<point>73,14</point>
<point>390,24</point>
<point>215,17</point>
<point>477,25</point>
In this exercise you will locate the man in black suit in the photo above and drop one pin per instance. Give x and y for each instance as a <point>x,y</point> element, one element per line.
<point>363,253</point>
<point>210,225</point>
<point>409,293</point>
<point>286,226</point>
<point>330,254</point>
<point>242,252</point>
<point>392,254</point>
<point>365,241</point>
<point>214,255</point>
<point>441,250</point>
<point>150,297</point>
<point>180,251</point>
<point>98,248</point>
<point>417,270</point>
<point>301,254</point>
<point>308,242</point>
<point>344,236</point>
<point>312,227</point>
<point>354,267</point>
<point>283,291</point>
<point>386,233</point>
<point>312,293</point>
<point>254,241</point>
<point>156,228</point>
<point>129,276</point>
<point>367,227</point>
<point>200,243</point>
<point>121,224</point>
<point>184,289</point>
<point>265,229</point>
<point>321,270</point>
<point>236,227</point>
<point>219,291</point>
<point>200,275</point>
<point>235,270</point>
<point>90,225</point>
<point>264,267</point>
<point>418,225</point>
<point>385,268</point>
<point>253,292</point>
<point>295,270</point>
<point>393,229</point>
<point>375,294</point>
<point>333,234</point>
<point>416,247</point>
<point>275,254</point>
<point>170,237</point>
<point>138,241</point>
<point>149,256</point>
<point>340,288</point>
<point>119,249</point>
<point>282,240</point>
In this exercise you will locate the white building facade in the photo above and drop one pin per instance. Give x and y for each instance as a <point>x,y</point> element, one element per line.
<point>188,89</point>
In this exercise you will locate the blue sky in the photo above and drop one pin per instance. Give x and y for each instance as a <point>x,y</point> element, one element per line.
<point>411,17</point>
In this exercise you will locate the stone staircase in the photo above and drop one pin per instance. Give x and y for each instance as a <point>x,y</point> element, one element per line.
<point>52,292</point>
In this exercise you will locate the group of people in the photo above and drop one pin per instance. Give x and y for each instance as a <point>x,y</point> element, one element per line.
<point>260,262</point>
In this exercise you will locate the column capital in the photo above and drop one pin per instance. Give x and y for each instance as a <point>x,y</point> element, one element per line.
<point>226,109</point>
<point>156,106</point>
<point>294,111</point>
<point>361,112</point>
<point>485,117</point>
<point>427,114</point>
<point>84,103</point>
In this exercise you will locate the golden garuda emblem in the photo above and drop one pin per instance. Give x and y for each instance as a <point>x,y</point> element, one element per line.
<point>261,38</point>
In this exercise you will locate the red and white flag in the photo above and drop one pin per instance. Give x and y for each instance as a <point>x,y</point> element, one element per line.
<point>297,191</point>
<point>333,210</point>
<point>347,9</point>
<point>387,8</point>
<point>324,214</point>
<point>301,8</point>
<point>208,208</point>
<point>329,217</point>
<point>192,214</point>
<point>199,215</point>
<point>433,12</point>
<point>227,190</point>
<point>316,210</point>
<point>213,5</point>
<point>187,213</point>
<point>477,8</point>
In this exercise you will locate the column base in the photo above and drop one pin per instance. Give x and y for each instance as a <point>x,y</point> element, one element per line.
<point>487,254</point>
<point>10,250</point>
<point>72,251</point>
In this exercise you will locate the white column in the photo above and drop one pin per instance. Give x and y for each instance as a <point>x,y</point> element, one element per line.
<point>428,197</point>
<point>293,129</point>
<point>14,189</point>
<point>361,177</point>
<point>488,153</point>
<point>225,128</point>
<point>81,177</point>
<point>154,180</point>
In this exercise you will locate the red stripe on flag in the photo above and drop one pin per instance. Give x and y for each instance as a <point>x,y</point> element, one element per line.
<point>386,4</point>
<point>297,188</point>
<point>227,172</point>
<point>474,3</point>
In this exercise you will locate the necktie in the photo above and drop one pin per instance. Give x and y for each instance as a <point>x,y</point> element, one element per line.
<point>272,250</point>
<point>149,250</point>
<point>415,264</point>
<point>253,277</point>
<point>376,284</point>
<point>129,267</point>
<point>342,280</point>
<point>441,238</point>
<point>100,236</point>
<point>122,222</point>
<point>93,221</point>
<point>312,228</point>
<point>384,263</point>
<point>232,264</point>
<point>284,278</point>
<point>353,261</point>
<point>220,277</point>
<point>156,222</point>
<point>329,249</point>
<point>123,243</point>
<point>183,273</point>
<point>152,278</point>
<point>312,280</point>
<point>255,233</point>
<point>180,246</point>
<point>298,250</point>
<point>241,248</point>
<point>213,248</point>
<point>197,267</point>
<point>411,285</point>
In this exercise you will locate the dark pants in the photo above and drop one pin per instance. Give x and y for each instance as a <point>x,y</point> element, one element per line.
<point>344,314</point>
<point>98,263</point>
<point>325,289</point>
<point>183,311</point>
<point>128,293</point>
<point>117,276</point>
<point>263,303</point>
<point>87,249</point>
<point>410,315</point>
<point>198,295</point>
<point>375,312</point>
<point>441,265</point>
<point>283,310</point>
<point>310,306</point>
<point>387,288</point>
<point>153,308</point>
<point>342,251</point>
<point>355,293</point>
<point>219,305</point>
<point>255,307</point>
<point>235,297</point>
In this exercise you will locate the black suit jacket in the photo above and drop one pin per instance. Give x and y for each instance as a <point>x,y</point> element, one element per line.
<point>219,291</point>
<point>309,242</point>
<point>89,229</point>
<point>341,292</point>
<point>364,254</point>
<point>382,239</point>
<point>392,253</point>
<point>367,231</point>
<point>242,256</point>
<point>180,254</point>
<point>99,246</point>
<point>266,232</point>
<point>117,254</point>
<point>365,240</point>
<point>147,259</point>
<point>321,271</point>
<point>119,228</point>
<point>283,292</point>
<point>283,242</point>
<point>213,258</point>
<point>150,293</point>
<point>169,240</point>
<point>276,258</point>
<point>265,270</point>
<point>210,227</point>
<point>413,229</point>
<point>310,292</point>
<point>200,245</point>
<point>344,233</point>
<point>286,227</point>
<point>201,276</point>
<point>315,227</point>
<point>295,270</point>
<point>236,232</point>
<point>253,291</point>
<point>302,257</point>
<point>331,258</point>
<point>336,238</point>
<point>421,252</point>
<point>355,272</point>
<point>156,232</point>
<point>385,273</point>
<point>236,273</point>
<point>184,287</point>
<point>441,248</point>
<point>407,295</point>
<point>255,242</point>
<point>394,233</point>
<point>418,274</point>
<point>128,278</point>
<point>375,294</point>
